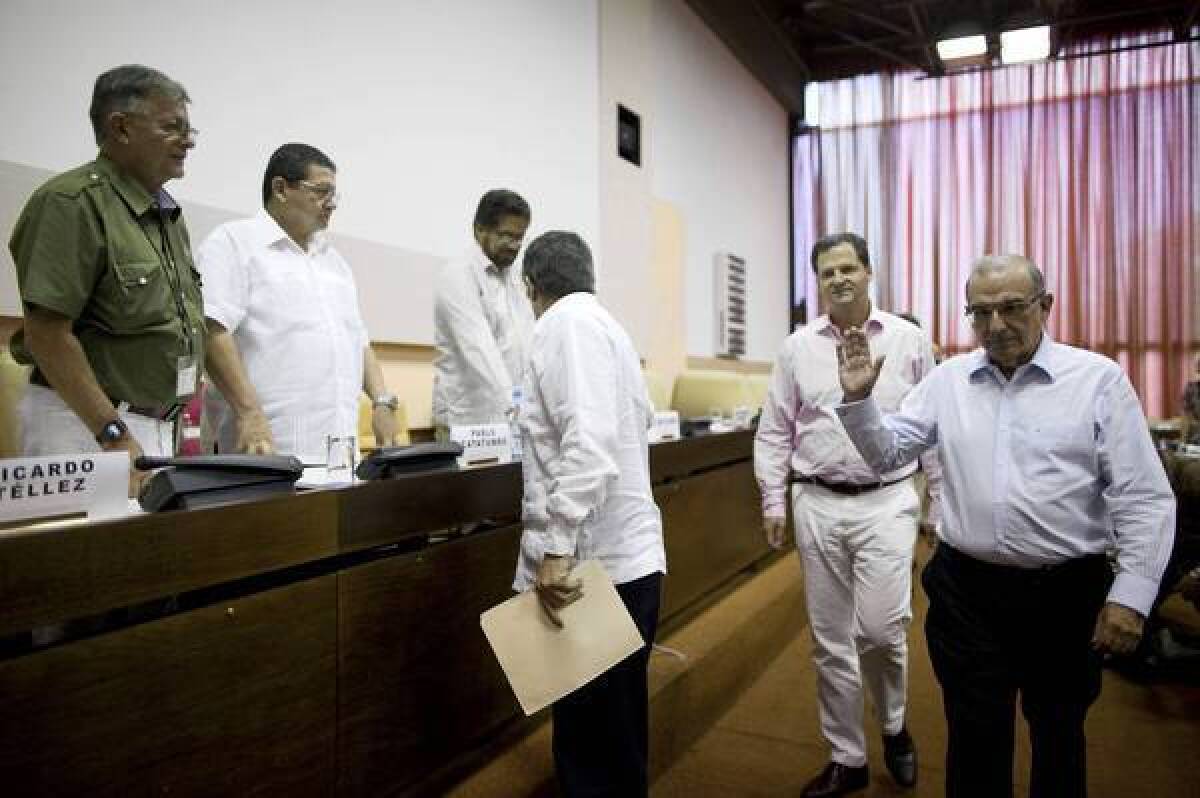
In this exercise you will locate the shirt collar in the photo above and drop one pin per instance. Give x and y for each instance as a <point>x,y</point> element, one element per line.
<point>485,263</point>
<point>1045,359</point>
<point>873,325</point>
<point>564,304</point>
<point>267,233</point>
<point>133,193</point>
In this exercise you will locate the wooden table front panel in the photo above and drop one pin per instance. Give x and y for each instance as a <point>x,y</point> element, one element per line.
<point>207,703</point>
<point>418,684</point>
<point>713,528</point>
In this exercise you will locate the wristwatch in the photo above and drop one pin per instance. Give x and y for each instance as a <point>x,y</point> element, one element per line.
<point>112,432</point>
<point>387,400</point>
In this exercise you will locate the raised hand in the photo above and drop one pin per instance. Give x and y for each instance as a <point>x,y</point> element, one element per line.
<point>856,370</point>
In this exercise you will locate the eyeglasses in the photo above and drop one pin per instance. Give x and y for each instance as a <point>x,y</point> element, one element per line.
<point>177,128</point>
<point>1009,311</point>
<point>506,237</point>
<point>324,192</point>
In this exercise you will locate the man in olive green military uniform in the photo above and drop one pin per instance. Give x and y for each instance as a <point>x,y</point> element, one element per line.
<point>114,325</point>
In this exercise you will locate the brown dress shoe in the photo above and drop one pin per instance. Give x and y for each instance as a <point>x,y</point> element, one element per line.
<point>900,755</point>
<point>836,779</point>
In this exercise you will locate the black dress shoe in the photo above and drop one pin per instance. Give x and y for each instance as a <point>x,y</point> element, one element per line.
<point>836,779</point>
<point>900,755</point>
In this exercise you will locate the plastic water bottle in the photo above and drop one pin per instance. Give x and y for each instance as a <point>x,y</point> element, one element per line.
<point>514,429</point>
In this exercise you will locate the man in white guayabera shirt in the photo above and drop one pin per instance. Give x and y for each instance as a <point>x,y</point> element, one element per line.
<point>1048,464</point>
<point>583,423</point>
<point>289,351</point>
<point>482,320</point>
<point>855,527</point>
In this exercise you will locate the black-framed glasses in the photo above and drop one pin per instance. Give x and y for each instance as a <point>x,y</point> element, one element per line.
<point>324,192</point>
<point>1009,311</point>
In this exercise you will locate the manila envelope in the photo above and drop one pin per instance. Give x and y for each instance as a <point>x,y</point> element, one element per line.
<point>544,663</point>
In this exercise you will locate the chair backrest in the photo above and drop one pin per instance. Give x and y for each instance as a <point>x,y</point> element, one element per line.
<point>366,435</point>
<point>13,379</point>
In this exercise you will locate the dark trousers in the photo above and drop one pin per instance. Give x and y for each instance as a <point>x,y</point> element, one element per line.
<point>995,631</point>
<point>601,730</point>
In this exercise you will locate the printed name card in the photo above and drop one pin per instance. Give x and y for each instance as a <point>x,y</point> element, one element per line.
<point>666,426</point>
<point>483,443</point>
<point>40,487</point>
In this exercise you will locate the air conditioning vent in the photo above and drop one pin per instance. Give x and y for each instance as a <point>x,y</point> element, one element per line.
<point>730,298</point>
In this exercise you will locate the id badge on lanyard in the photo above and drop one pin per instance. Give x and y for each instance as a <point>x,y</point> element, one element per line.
<point>186,374</point>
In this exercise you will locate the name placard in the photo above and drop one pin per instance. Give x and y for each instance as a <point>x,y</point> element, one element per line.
<point>666,426</point>
<point>483,443</point>
<point>40,487</point>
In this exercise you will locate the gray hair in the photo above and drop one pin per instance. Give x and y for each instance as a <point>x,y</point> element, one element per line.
<point>999,263</point>
<point>125,88</point>
<point>558,263</point>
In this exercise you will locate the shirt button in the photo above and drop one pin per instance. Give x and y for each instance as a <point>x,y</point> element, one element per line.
<point>94,176</point>
<point>142,281</point>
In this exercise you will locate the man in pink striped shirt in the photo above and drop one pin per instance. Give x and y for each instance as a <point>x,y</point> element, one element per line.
<point>855,528</point>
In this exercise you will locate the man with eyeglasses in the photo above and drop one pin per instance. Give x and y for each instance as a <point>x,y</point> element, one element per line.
<point>114,325</point>
<point>482,319</point>
<point>289,351</point>
<point>1048,463</point>
<point>855,527</point>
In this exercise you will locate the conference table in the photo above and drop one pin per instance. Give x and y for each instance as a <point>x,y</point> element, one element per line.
<point>324,642</point>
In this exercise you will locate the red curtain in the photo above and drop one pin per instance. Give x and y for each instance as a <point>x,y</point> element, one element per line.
<point>1088,165</point>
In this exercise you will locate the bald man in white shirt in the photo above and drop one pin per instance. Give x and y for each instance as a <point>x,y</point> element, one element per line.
<point>1047,463</point>
<point>584,426</point>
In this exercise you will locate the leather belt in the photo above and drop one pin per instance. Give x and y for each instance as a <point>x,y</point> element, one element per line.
<point>847,488</point>
<point>162,413</point>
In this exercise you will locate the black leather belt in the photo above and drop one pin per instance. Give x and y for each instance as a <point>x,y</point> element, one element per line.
<point>847,488</point>
<point>164,413</point>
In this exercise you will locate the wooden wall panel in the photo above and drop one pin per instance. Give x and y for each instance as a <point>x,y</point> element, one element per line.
<point>206,703</point>
<point>418,684</point>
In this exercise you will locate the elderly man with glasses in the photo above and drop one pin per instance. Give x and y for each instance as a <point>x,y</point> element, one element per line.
<point>289,350</point>
<point>1047,464</point>
<point>114,325</point>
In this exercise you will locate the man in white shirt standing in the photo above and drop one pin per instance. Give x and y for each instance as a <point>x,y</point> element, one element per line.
<point>289,350</point>
<point>1048,463</point>
<point>482,319</point>
<point>583,423</point>
<point>855,527</point>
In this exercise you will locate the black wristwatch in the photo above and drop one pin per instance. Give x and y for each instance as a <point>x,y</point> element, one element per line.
<point>112,432</point>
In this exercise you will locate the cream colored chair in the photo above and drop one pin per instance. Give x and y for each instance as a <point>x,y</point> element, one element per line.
<point>755,387</point>
<point>698,393</point>
<point>13,379</point>
<point>659,390</point>
<point>366,435</point>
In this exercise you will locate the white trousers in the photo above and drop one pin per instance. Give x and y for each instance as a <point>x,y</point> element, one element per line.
<point>857,555</point>
<point>49,426</point>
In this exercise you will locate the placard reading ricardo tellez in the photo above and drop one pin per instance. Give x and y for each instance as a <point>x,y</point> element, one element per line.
<point>35,487</point>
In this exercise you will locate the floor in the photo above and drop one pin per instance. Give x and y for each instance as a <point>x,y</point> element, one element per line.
<point>1143,740</point>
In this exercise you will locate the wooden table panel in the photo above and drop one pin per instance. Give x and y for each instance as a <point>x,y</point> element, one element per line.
<point>713,530</point>
<point>418,684</point>
<point>676,459</point>
<point>47,576</point>
<point>389,510</point>
<point>205,703</point>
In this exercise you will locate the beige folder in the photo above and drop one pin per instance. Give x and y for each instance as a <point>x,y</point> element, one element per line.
<point>544,663</point>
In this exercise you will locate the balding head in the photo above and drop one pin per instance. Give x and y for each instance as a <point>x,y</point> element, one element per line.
<point>998,264</point>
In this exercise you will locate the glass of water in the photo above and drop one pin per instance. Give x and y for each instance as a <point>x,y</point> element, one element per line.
<point>341,452</point>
